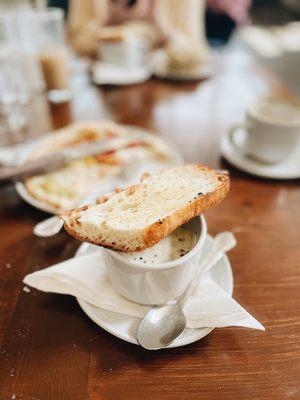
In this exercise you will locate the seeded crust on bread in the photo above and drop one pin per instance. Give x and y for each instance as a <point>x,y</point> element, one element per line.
<point>153,232</point>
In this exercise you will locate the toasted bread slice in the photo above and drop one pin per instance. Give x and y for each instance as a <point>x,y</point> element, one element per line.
<point>141,215</point>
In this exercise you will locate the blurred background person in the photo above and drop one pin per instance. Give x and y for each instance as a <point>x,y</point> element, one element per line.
<point>169,20</point>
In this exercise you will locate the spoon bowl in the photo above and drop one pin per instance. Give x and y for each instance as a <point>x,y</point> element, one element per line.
<point>48,227</point>
<point>162,326</point>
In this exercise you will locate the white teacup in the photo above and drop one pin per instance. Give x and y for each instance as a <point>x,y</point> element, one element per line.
<point>272,131</point>
<point>154,284</point>
<point>131,53</point>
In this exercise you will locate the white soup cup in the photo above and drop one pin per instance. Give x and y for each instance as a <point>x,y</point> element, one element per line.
<point>155,284</point>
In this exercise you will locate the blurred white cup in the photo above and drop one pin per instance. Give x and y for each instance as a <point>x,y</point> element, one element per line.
<point>129,53</point>
<point>271,130</point>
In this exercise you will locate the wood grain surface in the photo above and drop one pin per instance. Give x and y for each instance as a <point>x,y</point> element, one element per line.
<point>50,350</point>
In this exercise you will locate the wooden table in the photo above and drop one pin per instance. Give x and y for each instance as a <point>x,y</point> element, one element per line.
<point>49,347</point>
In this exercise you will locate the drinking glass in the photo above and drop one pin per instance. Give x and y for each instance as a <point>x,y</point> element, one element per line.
<point>14,88</point>
<point>12,117</point>
<point>16,35</point>
<point>52,52</point>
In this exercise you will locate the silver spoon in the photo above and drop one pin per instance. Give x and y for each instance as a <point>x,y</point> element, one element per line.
<point>48,227</point>
<point>162,325</point>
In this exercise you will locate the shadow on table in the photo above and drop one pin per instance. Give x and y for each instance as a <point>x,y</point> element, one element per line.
<point>56,325</point>
<point>134,104</point>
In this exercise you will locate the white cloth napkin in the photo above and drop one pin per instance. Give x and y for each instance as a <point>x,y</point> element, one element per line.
<point>85,277</point>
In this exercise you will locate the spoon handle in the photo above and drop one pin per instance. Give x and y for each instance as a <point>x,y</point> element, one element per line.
<point>223,242</point>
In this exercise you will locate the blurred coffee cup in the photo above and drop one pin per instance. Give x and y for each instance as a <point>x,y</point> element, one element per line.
<point>271,130</point>
<point>119,48</point>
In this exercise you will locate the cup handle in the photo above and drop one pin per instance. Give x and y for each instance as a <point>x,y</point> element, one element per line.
<point>231,134</point>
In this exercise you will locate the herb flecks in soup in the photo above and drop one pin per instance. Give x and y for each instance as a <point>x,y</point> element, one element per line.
<point>172,247</point>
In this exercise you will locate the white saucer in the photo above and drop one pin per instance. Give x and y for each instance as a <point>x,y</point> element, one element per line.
<point>158,62</point>
<point>287,169</point>
<point>125,327</point>
<point>107,74</point>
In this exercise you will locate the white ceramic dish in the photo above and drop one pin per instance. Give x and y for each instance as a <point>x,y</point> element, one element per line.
<point>175,159</point>
<point>107,74</point>
<point>125,327</point>
<point>287,169</point>
<point>160,283</point>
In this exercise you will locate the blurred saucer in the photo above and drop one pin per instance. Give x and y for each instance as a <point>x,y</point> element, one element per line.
<point>109,74</point>
<point>287,169</point>
<point>125,327</point>
<point>158,63</point>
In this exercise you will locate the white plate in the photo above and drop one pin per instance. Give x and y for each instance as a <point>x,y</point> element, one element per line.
<point>158,59</point>
<point>107,74</point>
<point>287,169</point>
<point>174,154</point>
<point>125,327</point>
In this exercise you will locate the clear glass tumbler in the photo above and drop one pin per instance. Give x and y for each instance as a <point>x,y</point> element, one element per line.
<point>52,51</point>
<point>12,117</point>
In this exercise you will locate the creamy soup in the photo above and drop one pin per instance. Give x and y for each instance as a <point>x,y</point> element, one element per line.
<point>174,246</point>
